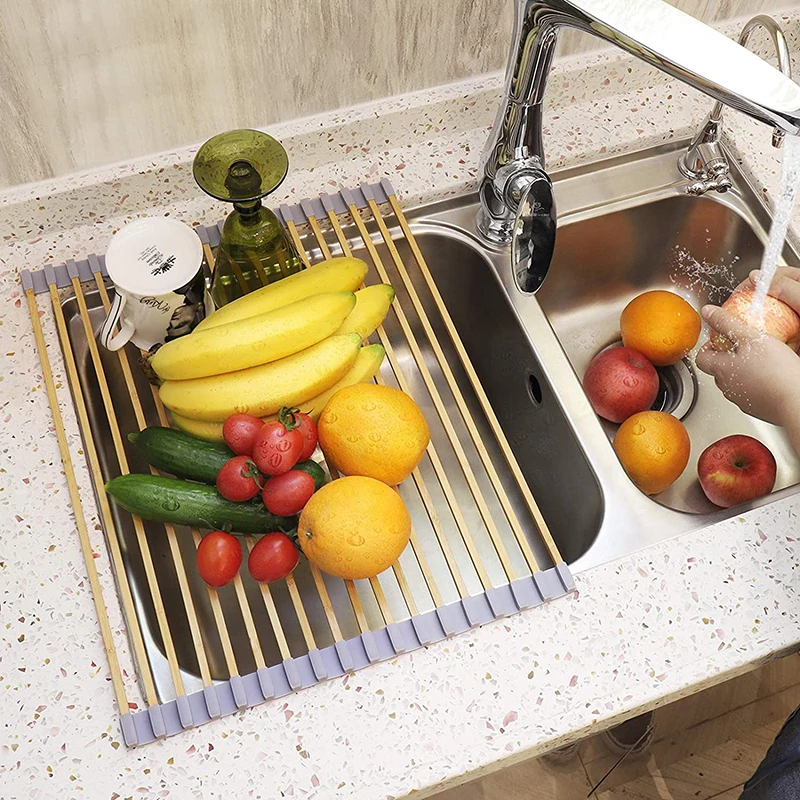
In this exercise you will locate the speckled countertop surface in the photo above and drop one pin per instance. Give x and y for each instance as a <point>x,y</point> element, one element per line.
<point>640,632</point>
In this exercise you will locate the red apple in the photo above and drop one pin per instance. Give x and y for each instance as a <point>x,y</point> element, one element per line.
<point>779,320</point>
<point>736,469</point>
<point>620,382</point>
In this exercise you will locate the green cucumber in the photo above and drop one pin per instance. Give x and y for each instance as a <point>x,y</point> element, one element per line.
<point>178,453</point>
<point>195,504</point>
<point>315,471</point>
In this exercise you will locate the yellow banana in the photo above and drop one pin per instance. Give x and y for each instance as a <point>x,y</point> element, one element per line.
<point>372,306</point>
<point>366,366</point>
<point>202,429</point>
<point>264,389</point>
<point>255,340</point>
<point>333,275</point>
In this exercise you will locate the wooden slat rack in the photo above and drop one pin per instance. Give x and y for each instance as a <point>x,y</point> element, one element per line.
<point>480,547</point>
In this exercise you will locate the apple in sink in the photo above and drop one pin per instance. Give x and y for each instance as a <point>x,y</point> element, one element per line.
<point>620,382</point>
<point>736,469</point>
<point>779,320</point>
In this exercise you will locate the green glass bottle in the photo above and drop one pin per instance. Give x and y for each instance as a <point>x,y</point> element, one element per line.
<point>241,167</point>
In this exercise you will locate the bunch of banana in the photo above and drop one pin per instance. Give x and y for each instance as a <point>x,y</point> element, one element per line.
<point>291,343</point>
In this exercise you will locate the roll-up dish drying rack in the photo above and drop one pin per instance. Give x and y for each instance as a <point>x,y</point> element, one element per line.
<point>480,548</point>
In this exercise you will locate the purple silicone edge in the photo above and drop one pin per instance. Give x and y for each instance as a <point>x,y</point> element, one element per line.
<point>184,711</point>
<point>292,674</point>
<point>298,213</point>
<point>211,701</point>
<point>128,726</point>
<point>265,682</point>
<point>228,697</point>
<point>318,664</point>
<point>396,637</point>
<point>525,592</point>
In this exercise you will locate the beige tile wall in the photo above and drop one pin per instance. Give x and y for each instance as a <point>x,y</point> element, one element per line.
<point>88,82</point>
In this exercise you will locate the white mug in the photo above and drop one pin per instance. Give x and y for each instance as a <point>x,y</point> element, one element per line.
<point>156,266</point>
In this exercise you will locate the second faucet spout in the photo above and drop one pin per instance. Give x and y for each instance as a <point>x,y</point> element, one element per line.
<point>704,162</point>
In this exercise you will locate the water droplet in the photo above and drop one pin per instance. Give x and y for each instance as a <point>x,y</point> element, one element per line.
<point>638,429</point>
<point>661,450</point>
<point>170,505</point>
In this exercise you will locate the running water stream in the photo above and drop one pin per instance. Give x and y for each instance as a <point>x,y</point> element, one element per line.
<point>787,194</point>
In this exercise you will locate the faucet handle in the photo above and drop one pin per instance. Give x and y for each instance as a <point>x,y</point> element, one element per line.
<point>534,235</point>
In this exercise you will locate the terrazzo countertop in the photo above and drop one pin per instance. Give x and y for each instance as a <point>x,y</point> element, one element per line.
<point>639,632</point>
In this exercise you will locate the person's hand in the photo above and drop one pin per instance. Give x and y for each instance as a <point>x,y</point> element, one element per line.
<point>785,285</point>
<point>761,374</point>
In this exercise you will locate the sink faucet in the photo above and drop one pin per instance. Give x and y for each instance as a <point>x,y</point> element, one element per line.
<point>516,193</point>
<point>705,162</point>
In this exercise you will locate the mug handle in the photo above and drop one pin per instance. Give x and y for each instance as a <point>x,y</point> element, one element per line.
<point>126,328</point>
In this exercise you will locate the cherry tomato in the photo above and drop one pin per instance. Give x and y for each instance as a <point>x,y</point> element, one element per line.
<point>273,557</point>
<point>239,432</point>
<point>288,493</point>
<point>239,479</point>
<point>277,446</point>
<point>308,429</point>
<point>219,556</point>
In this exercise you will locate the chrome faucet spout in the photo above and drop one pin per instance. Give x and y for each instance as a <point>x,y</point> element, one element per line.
<point>655,32</point>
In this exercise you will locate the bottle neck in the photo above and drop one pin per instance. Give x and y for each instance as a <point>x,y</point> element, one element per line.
<point>248,209</point>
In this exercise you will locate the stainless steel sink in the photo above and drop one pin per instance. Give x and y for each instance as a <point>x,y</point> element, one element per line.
<point>625,226</point>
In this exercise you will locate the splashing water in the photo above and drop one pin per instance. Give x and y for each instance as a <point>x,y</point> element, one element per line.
<point>787,194</point>
<point>713,280</point>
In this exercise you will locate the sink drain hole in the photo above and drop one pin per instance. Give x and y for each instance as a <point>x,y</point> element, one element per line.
<point>534,389</point>
<point>677,389</point>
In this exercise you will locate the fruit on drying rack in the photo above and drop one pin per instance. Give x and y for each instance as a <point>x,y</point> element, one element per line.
<point>256,340</point>
<point>333,275</point>
<point>366,366</point>
<point>264,389</point>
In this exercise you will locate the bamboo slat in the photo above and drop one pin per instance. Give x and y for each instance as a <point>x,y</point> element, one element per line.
<point>417,476</point>
<point>172,537</point>
<point>397,568</point>
<point>77,507</point>
<point>441,409</point>
<point>141,537</point>
<point>126,597</point>
<point>486,406</point>
<point>436,462</point>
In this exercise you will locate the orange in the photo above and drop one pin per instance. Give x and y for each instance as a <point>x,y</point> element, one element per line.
<point>661,325</point>
<point>354,528</point>
<point>653,446</point>
<point>371,430</point>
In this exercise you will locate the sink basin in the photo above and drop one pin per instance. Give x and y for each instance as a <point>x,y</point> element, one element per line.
<point>625,226</point>
<point>700,248</point>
